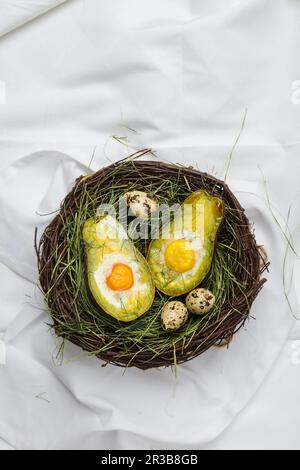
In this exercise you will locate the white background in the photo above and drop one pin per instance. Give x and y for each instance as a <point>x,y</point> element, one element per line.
<point>181,74</point>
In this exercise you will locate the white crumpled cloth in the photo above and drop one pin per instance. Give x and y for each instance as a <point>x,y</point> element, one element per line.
<point>176,76</point>
<point>15,13</point>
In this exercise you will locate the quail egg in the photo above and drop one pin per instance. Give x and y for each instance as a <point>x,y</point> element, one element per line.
<point>174,315</point>
<point>140,204</point>
<point>200,301</point>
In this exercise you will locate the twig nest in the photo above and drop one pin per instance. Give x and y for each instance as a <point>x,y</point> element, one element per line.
<point>174,315</point>
<point>200,301</point>
<point>263,260</point>
<point>140,204</point>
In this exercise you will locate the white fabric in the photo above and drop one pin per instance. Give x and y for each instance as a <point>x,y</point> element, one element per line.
<point>14,13</point>
<point>181,74</point>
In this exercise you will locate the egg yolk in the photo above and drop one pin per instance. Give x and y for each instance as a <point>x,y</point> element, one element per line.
<point>179,256</point>
<point>120,278</point>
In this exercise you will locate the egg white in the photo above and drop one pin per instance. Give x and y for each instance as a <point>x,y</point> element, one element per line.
<point>126,299</point>
<point>195,244</point>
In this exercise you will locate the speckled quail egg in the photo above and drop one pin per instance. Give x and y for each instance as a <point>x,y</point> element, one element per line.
<point>140,204</point>
<point>174,315</point>
<point>200,301</point>
<point>263,256</point>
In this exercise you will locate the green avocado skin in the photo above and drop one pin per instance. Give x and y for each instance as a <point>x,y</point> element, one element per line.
<point>200,205</point>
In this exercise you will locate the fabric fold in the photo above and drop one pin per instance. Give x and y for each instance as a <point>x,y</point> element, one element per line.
<point>15,13</point>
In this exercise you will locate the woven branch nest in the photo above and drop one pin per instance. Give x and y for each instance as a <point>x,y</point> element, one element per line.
<point>143,343</point>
